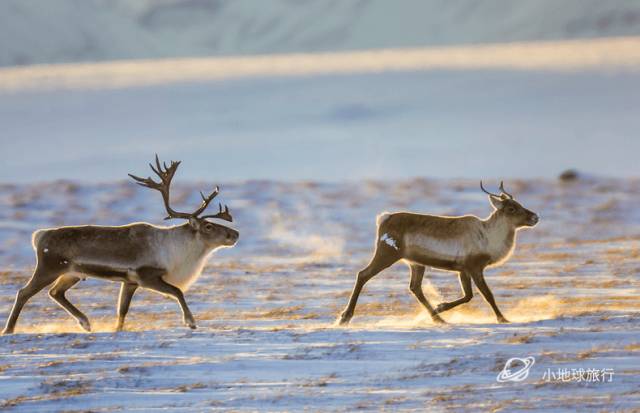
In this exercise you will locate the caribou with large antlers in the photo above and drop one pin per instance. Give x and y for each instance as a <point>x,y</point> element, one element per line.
<point>163,259</point>
<point>465,244</point>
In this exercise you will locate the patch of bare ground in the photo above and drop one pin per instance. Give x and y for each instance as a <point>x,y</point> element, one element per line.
<point>457,398</point>
<point>561,357</point>
<point>281,313</point>
<point>8,277</point>
<point>594,351</point>
<point>555,256</point>
<point>52,390</point>
<point>393,401</point>
<point>210,314</point>
<point>601,400</point>
<point>320,382</point>
<point>386,307</point>
<point>136,370</point>
<point>188,387</point>
<point>517,338</point>
<point>575,242</point>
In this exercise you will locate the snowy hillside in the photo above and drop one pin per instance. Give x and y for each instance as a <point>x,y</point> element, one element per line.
<point>38,31</point>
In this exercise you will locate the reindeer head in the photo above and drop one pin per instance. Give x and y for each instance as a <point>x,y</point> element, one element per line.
<point>504,203</point>
<point>211,233</point>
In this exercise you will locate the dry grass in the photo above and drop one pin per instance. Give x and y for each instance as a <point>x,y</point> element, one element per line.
<point>280,313</point>
<point>519,339</point>
<point>555,256</point>
<point>387,307</point>
<point>58,390</point>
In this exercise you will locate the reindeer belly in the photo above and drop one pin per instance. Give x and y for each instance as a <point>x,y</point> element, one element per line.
<point>423,249</point>
<point>104,271</point>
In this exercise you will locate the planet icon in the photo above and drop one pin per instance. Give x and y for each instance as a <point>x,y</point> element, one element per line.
<point>516,369</point>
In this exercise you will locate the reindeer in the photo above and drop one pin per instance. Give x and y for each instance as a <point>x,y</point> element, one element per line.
<point>162,259</point>
<point>465,244</point>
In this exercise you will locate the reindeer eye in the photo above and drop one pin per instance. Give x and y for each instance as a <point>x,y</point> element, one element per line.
<point>208,227</point>
<point>511,210</point>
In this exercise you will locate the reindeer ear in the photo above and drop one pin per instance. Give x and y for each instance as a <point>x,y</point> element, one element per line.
<point>194,223</point>
<point>496,202</point>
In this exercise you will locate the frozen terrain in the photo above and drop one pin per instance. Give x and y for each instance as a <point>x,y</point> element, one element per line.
<point>266,339</point>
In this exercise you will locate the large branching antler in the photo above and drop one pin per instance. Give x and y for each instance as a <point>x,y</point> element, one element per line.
<point>222,214</point>
<point>166,175</point>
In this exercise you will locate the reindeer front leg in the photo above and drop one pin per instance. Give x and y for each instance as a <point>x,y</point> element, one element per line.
<point>465,284</point>
<point>124,301</point>
<point>478,279</point>
<point>151,278</point>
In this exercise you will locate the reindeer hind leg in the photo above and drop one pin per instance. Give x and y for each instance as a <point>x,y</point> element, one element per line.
<point>417,273</point>
<point>57,293</point>
<point>384,257</point>
<point>42,277</point>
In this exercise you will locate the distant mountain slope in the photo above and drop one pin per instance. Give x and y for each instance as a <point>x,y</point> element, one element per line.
<point>53,31</point>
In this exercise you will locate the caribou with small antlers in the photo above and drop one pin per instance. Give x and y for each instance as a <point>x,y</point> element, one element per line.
<point>465,244</point>
<point>162,259</point>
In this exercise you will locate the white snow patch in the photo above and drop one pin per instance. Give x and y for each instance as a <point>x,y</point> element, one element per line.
<point>390,241</point>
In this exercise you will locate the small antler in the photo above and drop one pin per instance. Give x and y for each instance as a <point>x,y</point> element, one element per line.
<point>487,192</point>
<point>166,175</point>
<point>504,192</point>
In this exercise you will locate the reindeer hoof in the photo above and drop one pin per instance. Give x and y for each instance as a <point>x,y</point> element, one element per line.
<point>438,320</point>
<point>7,331</point>
<point>86,326</point>
<point>503,320</point>
<point>344,319</point>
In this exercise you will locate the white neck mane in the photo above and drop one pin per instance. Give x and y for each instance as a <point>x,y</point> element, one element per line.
<point>500,238</point>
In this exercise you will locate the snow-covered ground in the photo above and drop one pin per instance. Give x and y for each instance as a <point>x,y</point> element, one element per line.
<point>266,339</point>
